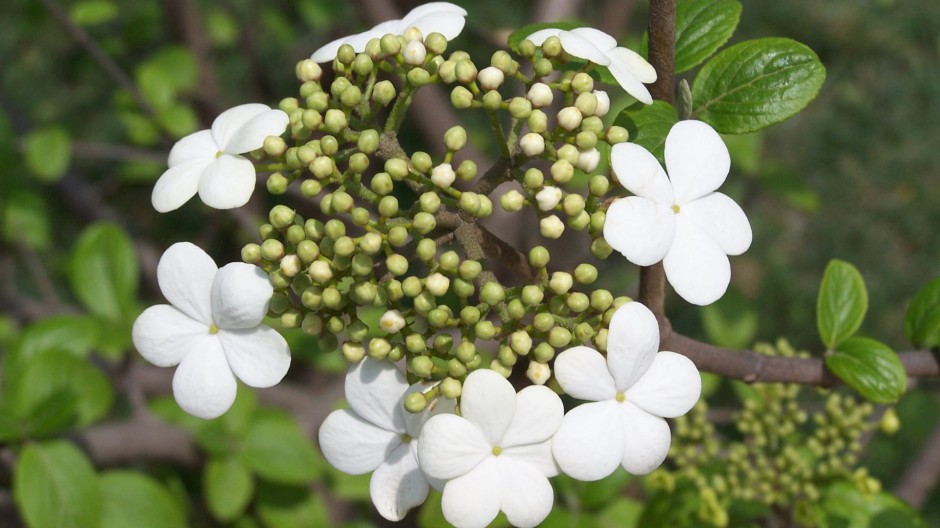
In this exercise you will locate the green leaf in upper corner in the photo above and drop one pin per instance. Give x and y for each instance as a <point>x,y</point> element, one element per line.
<point>228,487</point>
<point>649,125</point>
<point>842,303</point>
<point>922,322</point>
<point>281,506</point>
<point>731,322</point>
<point>55,486</point>
<point>275,449</point>
<point>870,367</point>
<point>703,26</point>
<point>103,271</point>
<point>755,84</point>
<point>91,12</point>
<point>517,36</point>
<point>134,499</point>
<point>844,505</point>
<point>48,152</point>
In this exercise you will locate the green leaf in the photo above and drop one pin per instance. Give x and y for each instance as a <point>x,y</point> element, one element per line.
<point>870,367</point>
<point>922,322</point>
<point>648,125</point>
<point>55,486</point>
<point>165,75</point>
<point>103,271</point>
<point>703,26</point>
<point>25,218</point>
<point>280,506</point>
<point>517,36</point>
<point>228,488</point>
<point>275,449</point>
<point>134,499</point>
<point>755,84</point>
<point>790,187</point>
<point>731,322</point>
<point>845,505</point>
<point>75,334</point>
<point>48,152</point>
<point>842,303</point>
<point>178,120</point>
<point>91,12</point>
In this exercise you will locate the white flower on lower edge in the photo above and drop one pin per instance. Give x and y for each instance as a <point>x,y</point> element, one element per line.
<point>629,69</point>
<point>212,329</point>
<point>209,161</point>
<point>435,17</point>
<point>378,435</point>
<point>630,393</point>
<point>679,219</point>
<point>496,455</point>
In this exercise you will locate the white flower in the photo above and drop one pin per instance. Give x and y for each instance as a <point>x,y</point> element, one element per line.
<point>441,17</point>
<point>208,161</point>
<point>538,373</point>
<point>378,435</point>
<point>680,219</point>
<point>628,67</point>
<point>548,197</point>
<point>212,329</point>
<point>496,455</point>
<point>630,392</point>
<point>588,160</point>
<point>443,175</point>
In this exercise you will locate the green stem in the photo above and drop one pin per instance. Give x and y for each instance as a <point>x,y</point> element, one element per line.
<point>397,115</point>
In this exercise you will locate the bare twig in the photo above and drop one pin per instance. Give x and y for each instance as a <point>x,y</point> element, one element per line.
<point>921,476</point>
<point>104,151</point>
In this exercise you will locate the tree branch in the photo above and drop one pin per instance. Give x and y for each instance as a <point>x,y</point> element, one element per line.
<point>920,477</point>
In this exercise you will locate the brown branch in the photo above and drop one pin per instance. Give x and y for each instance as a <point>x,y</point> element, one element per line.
<point>104,151</point>
<point>921,476</point>
<point>480,244</point>
<point>187,22</point>
<point>141,439</point>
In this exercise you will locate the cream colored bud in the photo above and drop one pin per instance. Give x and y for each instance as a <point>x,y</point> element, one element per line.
<point>415,53</point>
<point>540,95</point>
<point>443,175</point>
<point>588,160</point>
<point>413,34</point>
<point>532,144</point>
<point>320,271</point>
<point>392,321</point>
<point>603,103</point>
<point>548,198</point>
<point>291,265</point>
<point>538,373</point>
<point>569,118</point>
<point>551,227</point>
<point>490,78</point>
<point>437,284</point>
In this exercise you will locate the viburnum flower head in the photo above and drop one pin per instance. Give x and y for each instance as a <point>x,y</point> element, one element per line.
<point>212,329</point>
<point>435,17</point>
<point>209,161</point>
<point>629,69</point>
<point>680,219</point>
<point>378,435</point>
<point>629,393</point>
<point>497,455</point>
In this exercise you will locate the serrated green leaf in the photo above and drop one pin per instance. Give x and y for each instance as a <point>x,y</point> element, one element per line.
<point>703,26</point>
<point>517,36</point>
<point>842,303</point>
<point>755,84</point>
<point>280,506</point>
<point>48,152</point>
<point>55,486</point>
<point>103,271</point>
<point>649,125</point>
<point>870,367</point>
<point>228,487</point>
<point>134,499</point>
<point>275,449</point>
<point>922,322</point>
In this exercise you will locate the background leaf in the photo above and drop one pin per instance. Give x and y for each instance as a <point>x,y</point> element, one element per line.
<point>870,367</point>
<point>922,322</point>
<point>276,450</point>
<point>842,303</point>
<point>103,271</point>
<point>55,486</point>
<point>228,488</point>
<point>134,499</point>
<point>648,125</point>
<point>48,152</point>
<point>703,26</point>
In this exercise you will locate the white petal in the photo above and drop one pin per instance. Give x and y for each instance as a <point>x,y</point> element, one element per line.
<point>359,40</point>
<point>178,184</point>
<point>723,220</point>
<point>530,496</point>
<point>589,443</point>
<point>646,440</point>
<point>537,455</point>
<point>227,182</point>
<point>428,9</point>
<point>415,421</point>
<point>185,274</point>
<point>632,343</point>
<point>198,145</point>
<point>696,267</point>
<point>374,389</point>
<point>203,384</point>
<point>449,24</point>
<point>327,52</point>
<point>398,485</point>
<point>538,414</point>
<point>582,372</point>
<point>251,135</point>
<point>163,335</point>
<point>633,61</point>
<point>669,388</point>
<point>240,296</point>
<point>629,81</point>
<point>450,446</point>
<point>473,500</point>
<point>228,123</point>
<point>353,445</point>
<point>258,356</point>
<point>542,35</point>
<point>697,160</point>
<point>640,173</point>
<point>601,40</point>
<point>640,229</point>
<point>489,402</point>
<point>578,46</point>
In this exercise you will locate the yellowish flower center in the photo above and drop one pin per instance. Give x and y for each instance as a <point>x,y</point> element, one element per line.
<point>675,209</point>
<point>620,397</point>
<point>406,438</point>
<point>213,329</point>
<point>219,154</point>
<point>497,450</point>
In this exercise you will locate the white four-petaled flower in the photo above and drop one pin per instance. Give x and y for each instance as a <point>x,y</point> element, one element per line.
<point>496,455</point>
<point>629,69</point>
<point>378,435</point>
<point>436,17</point>
<point>212,329</point>
<point>209,161</point>
<point>679,219</point>
<point>630,393</point>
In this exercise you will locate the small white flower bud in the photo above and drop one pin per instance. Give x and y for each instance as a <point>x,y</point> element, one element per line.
<point>551,227</point>
<point>443,175</point>
<point>569,118</point>
<point>437,284</point>
<point>490,78</point>
<point>413,34</point>
<point>414,53</point>
<point>588,160</point>
<point>540,95</point>
<point>291,265</point>
<point>532,144</point>
<point>538,373</point>
<point>548,198</point>
<point>392,321</point>
<point>603,103</point>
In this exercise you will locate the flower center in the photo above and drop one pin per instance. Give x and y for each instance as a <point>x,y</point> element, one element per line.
<point>219,154</point>
<point>497,450</point>
<point>620,397</point>
<point>406,438</point>
<point>675,209</point>
<point>213,329</point>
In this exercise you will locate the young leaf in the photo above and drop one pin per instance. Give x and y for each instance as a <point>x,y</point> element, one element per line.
<point>870,367</point>
<point>517,36</point>
<point>843,301</point>
<point>755,84</point>
<point>703,26</point>
<point>55,486</point>
<point>228,488</point>
<point>75,334</point>
<point>290,507</point>
<point>276,450</point>
<point>922,322</point>
<point>648,125</point>
<point>48,152</point>
<point>134,499</point>
<point>103,271</point>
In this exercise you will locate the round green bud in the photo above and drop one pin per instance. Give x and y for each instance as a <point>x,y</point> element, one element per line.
<point>543,67</point>
<point>455,138</point>
<point>617,134</point>
<point>424,223</point>
<point>552,47</point>
<point>436,43</point>
<point>463,288</point>
<point>537,121</point>
<point>573,204</point>
<point>381,184</point>
<point>384,92</point>
<point>342,202</point>
<point>390,45</point>
<point>308,251</point>
<point>512,201</point>
<point>358,163</point>
<point>592,124</point>
<point>450,387</point>
<point>492,293</point>
<point>461,98</point>
<point>281,217</point>
<point>579,221</point>
<point>279,281</point>
<point>577,302</point>
<point>601,300</point>
<point>397,168</point>
<point>346,54</point>
<point>393,291</point>
<point>344,246</point>
<point>443,343</point>
<point>272,249</point>
<point>332,298</point>
<point>600,248</point>
<point>288,103</point>
<point>320,271</point>
<point>533,178</point>
<point>358,331</point>
<point>388,206</point>
<point>360,216</point>
<point>379,347</point>
<point>569,118</point>
<point>274,146</point>
<point>520,108</point>
<point>353,352</point>
<point>543,353</point>
<point>583,332</point>
<point>538,257</point>
<point>521,342</point>
<point>291,318</point>
<point>277,184</point>
<point>334,229</point>
<point>470,269</point>
<point>397,265</point>
<point>470,315</point>
<point>335,121</point>
<point>311,119</point>
<point>339,85</point>
<point>314,229</point>
<point>416,401</point>
<point>585,274</point>
<point>251,253</point>
<point>470,202</point>
<point>467,170</point>
<point>492,100</point>
<point>364,292</point>
<point>486,207</point>
<point>587,104</point>
<point>322,167</point>
<point>398,236</point>
<point>412,286</point>
<point>484,329</point>
<point>586,140</point>
<point>438,318</point>
<point>422,161</point>
<point>307,70</point>
<point>506,356</point>
<point>582,83</point>
<point>466,71</point>
<point>267,231</point>
<point>437,284</point>
<point>562,171</point>
<point>466,351</point>
<point>362,65</point>
<point>310,188</point>
<point>532,295</point>
<point>318,102</point>
<point>418,77</point>
<point>415,344</point>
<point>543,322</point>
<point>306,154</point>
<point>559,337</point>
<point>560,282</point>
<point>599,185</point>
<point>368,141</point>
<point>449,261</point>
<point>551,227</point>
<point>569,153</point>
<point>361,265</point>
<point>527,48</point>
<point>279,303</point>
<point>448,71</point>
<point>426,249</point>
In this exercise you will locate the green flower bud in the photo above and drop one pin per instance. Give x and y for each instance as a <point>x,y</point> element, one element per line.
<point>279,303</point>
<point>307,70</point>
<point>322,167</point>
<point>332,299</point>
<point>601,300</point>
<point>397,265</point>
<point>335,121</point>
<point>438,318</point>
<point>582,83</point>
<point>318,102</point>
<point>363,293</point>
<point>292,318</point>
<point>388,206</point>
<point>600,248</point>
<point>397,169</point>
<point>307,153</point>
<point>290,265</point>
<point>274,146</point>
<point>390,45</point>
<point>351,97</point>
<point>437,284</point>
<point>543,67</point>
<point>360,216</point>
<point>533,178</point>
<point>334,229</point>
<point>527,48</point>
<point>584,332</point>
<point>448,72</point>
<point>310,188</point>
<point>412,286</point>
<point>272,249</point>
<point>320,272</point>
<point>543,353</point>
<point>551,227</point>
<point>384,92</point>
<point>381,184</point>
<point>467,170</point>
<point>358,331</point>
<point>569,153</point>
<point>492,293</point>
<point>308,251</point>
<point>520,108</point>
<point>569,118</point>
<point>551,47</point>
<point>486,207</point>
<point>436,43</point>
<point>560,282</point>
<point>461,98</point>
<point>521,342</point>
<point>617,134</point>
<point>577,302</point>
<point>492,100</point>
<point>506,356</point>
<point>470,202</point>
<point>484,329</point>
<point>532,295</point>
<point>470,269</point>
<point>342,202</point>
<point>353,352</point>
<point>585,274</point>
<point>267,231</point>
<point>358,163</point>
<point>339,86</point>
<point>579,221</point>
<point>393,291</point>
<point>466,71</point>
<point>538,257</point>
<point>450,387</point>
<point>559,337</point>
<point>361,265</point>
<point>288,103</point>
<point>537,121</point>
<point>314,229</point>
<point>443,343</point>
<point>362,65</point>
<point>295,233</point>
<point>587,104</point>
<point>251,253</point>
<point>599,185</point>
<point>415,344</point>
<point>562,171</point>
<point>424,223</point>
<point>592,124</point>
<point>344,246</point>
<point>470,315</point>
<point>418,77</point>
<point>281,217</point>
<point>463,288</point>
<point>398,236</point>
<point>345,55</point>
<point>532,144</point>
<point>512,201</point>
<point>543,322</point>
<point>455,138</point>
<point>586,140</point>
